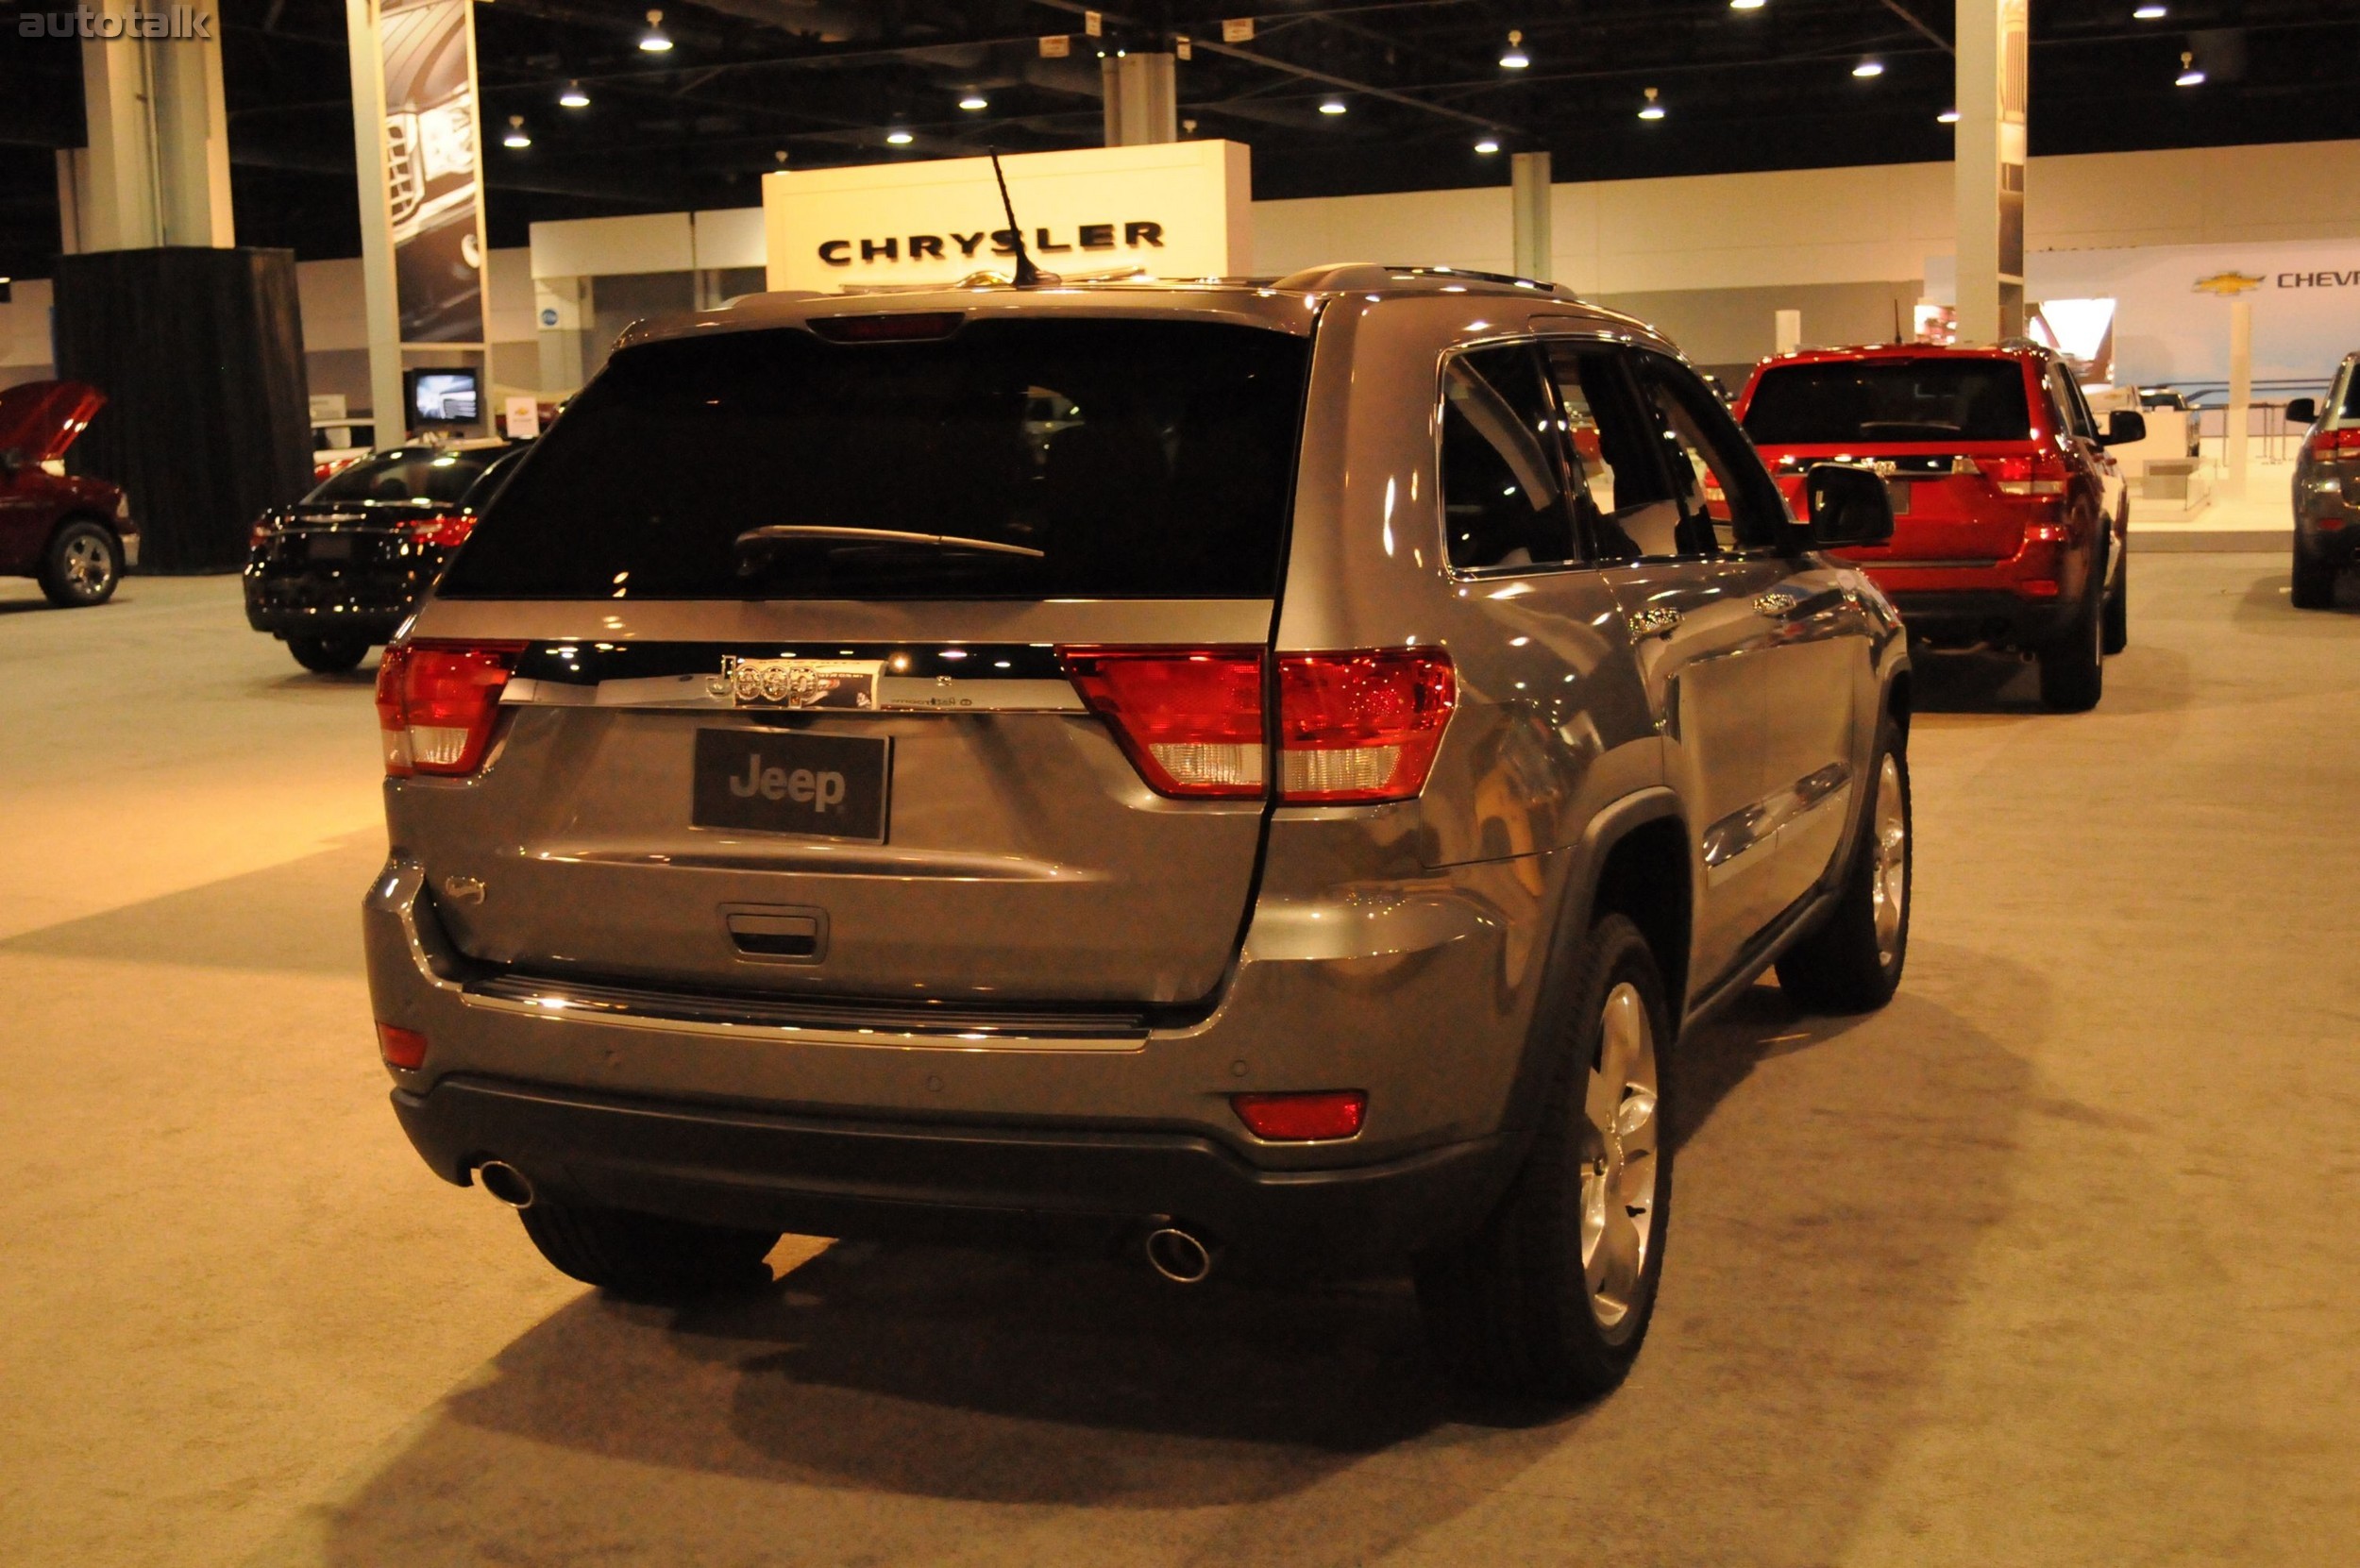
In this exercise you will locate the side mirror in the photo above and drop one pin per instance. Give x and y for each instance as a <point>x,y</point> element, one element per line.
<point>1847,505</point>
<point>2302,411</point>
<point>2123,427</point>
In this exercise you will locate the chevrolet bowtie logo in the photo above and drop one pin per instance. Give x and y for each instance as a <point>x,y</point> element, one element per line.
<point>2228,284</point>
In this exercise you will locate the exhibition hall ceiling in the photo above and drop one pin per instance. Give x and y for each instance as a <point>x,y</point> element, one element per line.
<point>1397,94</point>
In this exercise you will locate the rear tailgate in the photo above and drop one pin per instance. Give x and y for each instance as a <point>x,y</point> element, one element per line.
<point>1946,510</point>
<point>841,756</point>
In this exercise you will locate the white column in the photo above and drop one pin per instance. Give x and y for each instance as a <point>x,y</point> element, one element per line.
<point>1143,103</point>
<point>157,172</point>
<point>1993,53</point>
<point>378,300</point>
<point>1528,174</point>
<point>1787,330</point>
<point>2234,440</point>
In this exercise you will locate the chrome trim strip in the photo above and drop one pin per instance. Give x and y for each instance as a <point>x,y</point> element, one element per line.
<point>1928,565</point>
<point>1742,831</point>
<point>894,694</point>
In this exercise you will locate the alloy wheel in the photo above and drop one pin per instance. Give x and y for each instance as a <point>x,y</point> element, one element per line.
<point>1889,888</point>
<point>1618,1170</point>
<point>88,567</point>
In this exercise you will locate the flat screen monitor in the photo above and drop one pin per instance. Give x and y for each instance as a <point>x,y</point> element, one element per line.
<point>444,397</point>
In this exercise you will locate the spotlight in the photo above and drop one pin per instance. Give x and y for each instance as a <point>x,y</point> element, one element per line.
<point>516,137</point>
<point>1869,68</point>
<point>1332,106</point>
<point>899,138</point>
<point>574,97</point>
<point>1745,5</point>
<point>1514,58</point>
<point>2150,14</point>
<point>2189,75</point>
<point>653,40</point>
<point>973,102</point>
<point>1653,110</point>
<point>1948,117</point>
<point>1488,144</point>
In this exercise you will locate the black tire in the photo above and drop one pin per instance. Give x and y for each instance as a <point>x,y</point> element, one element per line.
<point>1852,962</point>
<point>1509,1310</point>
<point>82,566</point>
<point>2073,669</point>
<point>2315,579</point>
<point>2118,637</point>
<point>328,655</point>
<point>645,1255</point>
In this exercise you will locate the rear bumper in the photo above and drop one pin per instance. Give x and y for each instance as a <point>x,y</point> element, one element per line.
<point>285,606</point>
<point>1983,614</point>
<point>762,1169</point>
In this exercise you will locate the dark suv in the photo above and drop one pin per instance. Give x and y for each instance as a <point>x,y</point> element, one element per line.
<point>2011,523</point>
<point>2327,488</point>
<point>1268,768</point>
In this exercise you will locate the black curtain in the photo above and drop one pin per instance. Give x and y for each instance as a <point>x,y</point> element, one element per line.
<point>208,418</point>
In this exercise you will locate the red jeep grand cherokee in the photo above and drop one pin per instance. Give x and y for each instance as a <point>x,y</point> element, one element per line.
<point>2009,518</point>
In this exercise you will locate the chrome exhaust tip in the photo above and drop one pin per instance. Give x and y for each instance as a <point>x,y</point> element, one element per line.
<point>506,1183</point>
<point>1178,1256</point>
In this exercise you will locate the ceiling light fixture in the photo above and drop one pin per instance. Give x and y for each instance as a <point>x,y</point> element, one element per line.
<point>1869,68</point>
<point>2189,75</point>
<point>899,138</point>
<point>1948,117</point>
<point>1514,58</point>
<point>1332,106</point>
<point>2150,14</point>
<point>973,102</point>
<point>1653,110</point>
<point>1745,5</point>
<point>574,97</point>
<point>655,41</point>
<point>516,137</point>
<point>1488,146</point>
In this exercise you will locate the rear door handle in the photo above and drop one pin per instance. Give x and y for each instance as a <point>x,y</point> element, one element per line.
<point>1661,621</point>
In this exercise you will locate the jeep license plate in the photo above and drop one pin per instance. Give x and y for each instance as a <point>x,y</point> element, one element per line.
<point>774,780</point>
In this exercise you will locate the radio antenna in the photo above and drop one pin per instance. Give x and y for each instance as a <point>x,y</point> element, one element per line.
<point>1027,275</point>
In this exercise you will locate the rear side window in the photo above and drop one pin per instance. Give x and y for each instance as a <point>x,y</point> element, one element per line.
<point>413,474</point>
<point>2349,406</point>
<point>1934,399</point>
<point>1502,502</point>
<point>1012,459</point>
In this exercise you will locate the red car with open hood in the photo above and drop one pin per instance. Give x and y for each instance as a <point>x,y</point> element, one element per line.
<point>73,533</point>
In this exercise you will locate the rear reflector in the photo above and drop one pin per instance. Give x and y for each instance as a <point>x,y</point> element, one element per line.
<point>1303,1118</point>
<point>1361,726</point>
<point>1355,727</point>
<point>436,703</point>
<point>1191,719</point>
<point>401,1048</point>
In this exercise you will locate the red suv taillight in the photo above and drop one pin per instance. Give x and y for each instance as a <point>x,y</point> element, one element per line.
<point>436,703</point>
<point>2039,474</point>
<point>1354,727</point>
<point>447,533</point>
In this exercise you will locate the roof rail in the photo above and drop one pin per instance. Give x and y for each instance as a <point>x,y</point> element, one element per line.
<point>1341,277</point>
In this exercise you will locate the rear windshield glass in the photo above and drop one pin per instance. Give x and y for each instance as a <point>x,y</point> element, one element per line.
<point>413,474</point>
<point>1010,460</point>
<point>1890,400</point>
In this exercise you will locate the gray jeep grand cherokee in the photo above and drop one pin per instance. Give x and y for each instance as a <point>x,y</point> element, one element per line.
<point>1191,767</point>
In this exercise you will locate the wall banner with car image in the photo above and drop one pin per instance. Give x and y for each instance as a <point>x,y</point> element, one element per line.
<point>433,167</point>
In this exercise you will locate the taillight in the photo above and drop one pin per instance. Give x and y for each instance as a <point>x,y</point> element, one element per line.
<point>446,533</point>
<point>1361,726</point>
<point>436,703</point>
<point>259,534</point>
<point>2042,474</point>
<point>1302,1118</point>
<point>1191,719</point>
<point>1354,727</point>
<point>2336,445</point>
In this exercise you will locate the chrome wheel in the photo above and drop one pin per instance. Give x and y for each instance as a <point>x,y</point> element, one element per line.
<point>1618,1167</point>
<point>1889,885</point>
<point>87,565</point>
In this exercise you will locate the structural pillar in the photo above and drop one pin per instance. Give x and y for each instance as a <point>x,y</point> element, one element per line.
<point>1993,56</point>
<point>379,300</point>
<point>1142,104</point>
<point>1528,188</point>
<point>2235,438</point>
<point>1786,329</point>
<point>157,170</point>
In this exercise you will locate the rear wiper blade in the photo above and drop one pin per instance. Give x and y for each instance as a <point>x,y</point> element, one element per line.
<point>787,532</point>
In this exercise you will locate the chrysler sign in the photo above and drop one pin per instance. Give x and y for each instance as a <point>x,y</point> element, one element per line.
<point>1175,209</point>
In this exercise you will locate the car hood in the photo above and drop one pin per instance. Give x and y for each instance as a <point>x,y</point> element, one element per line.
<point>40,419</point>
